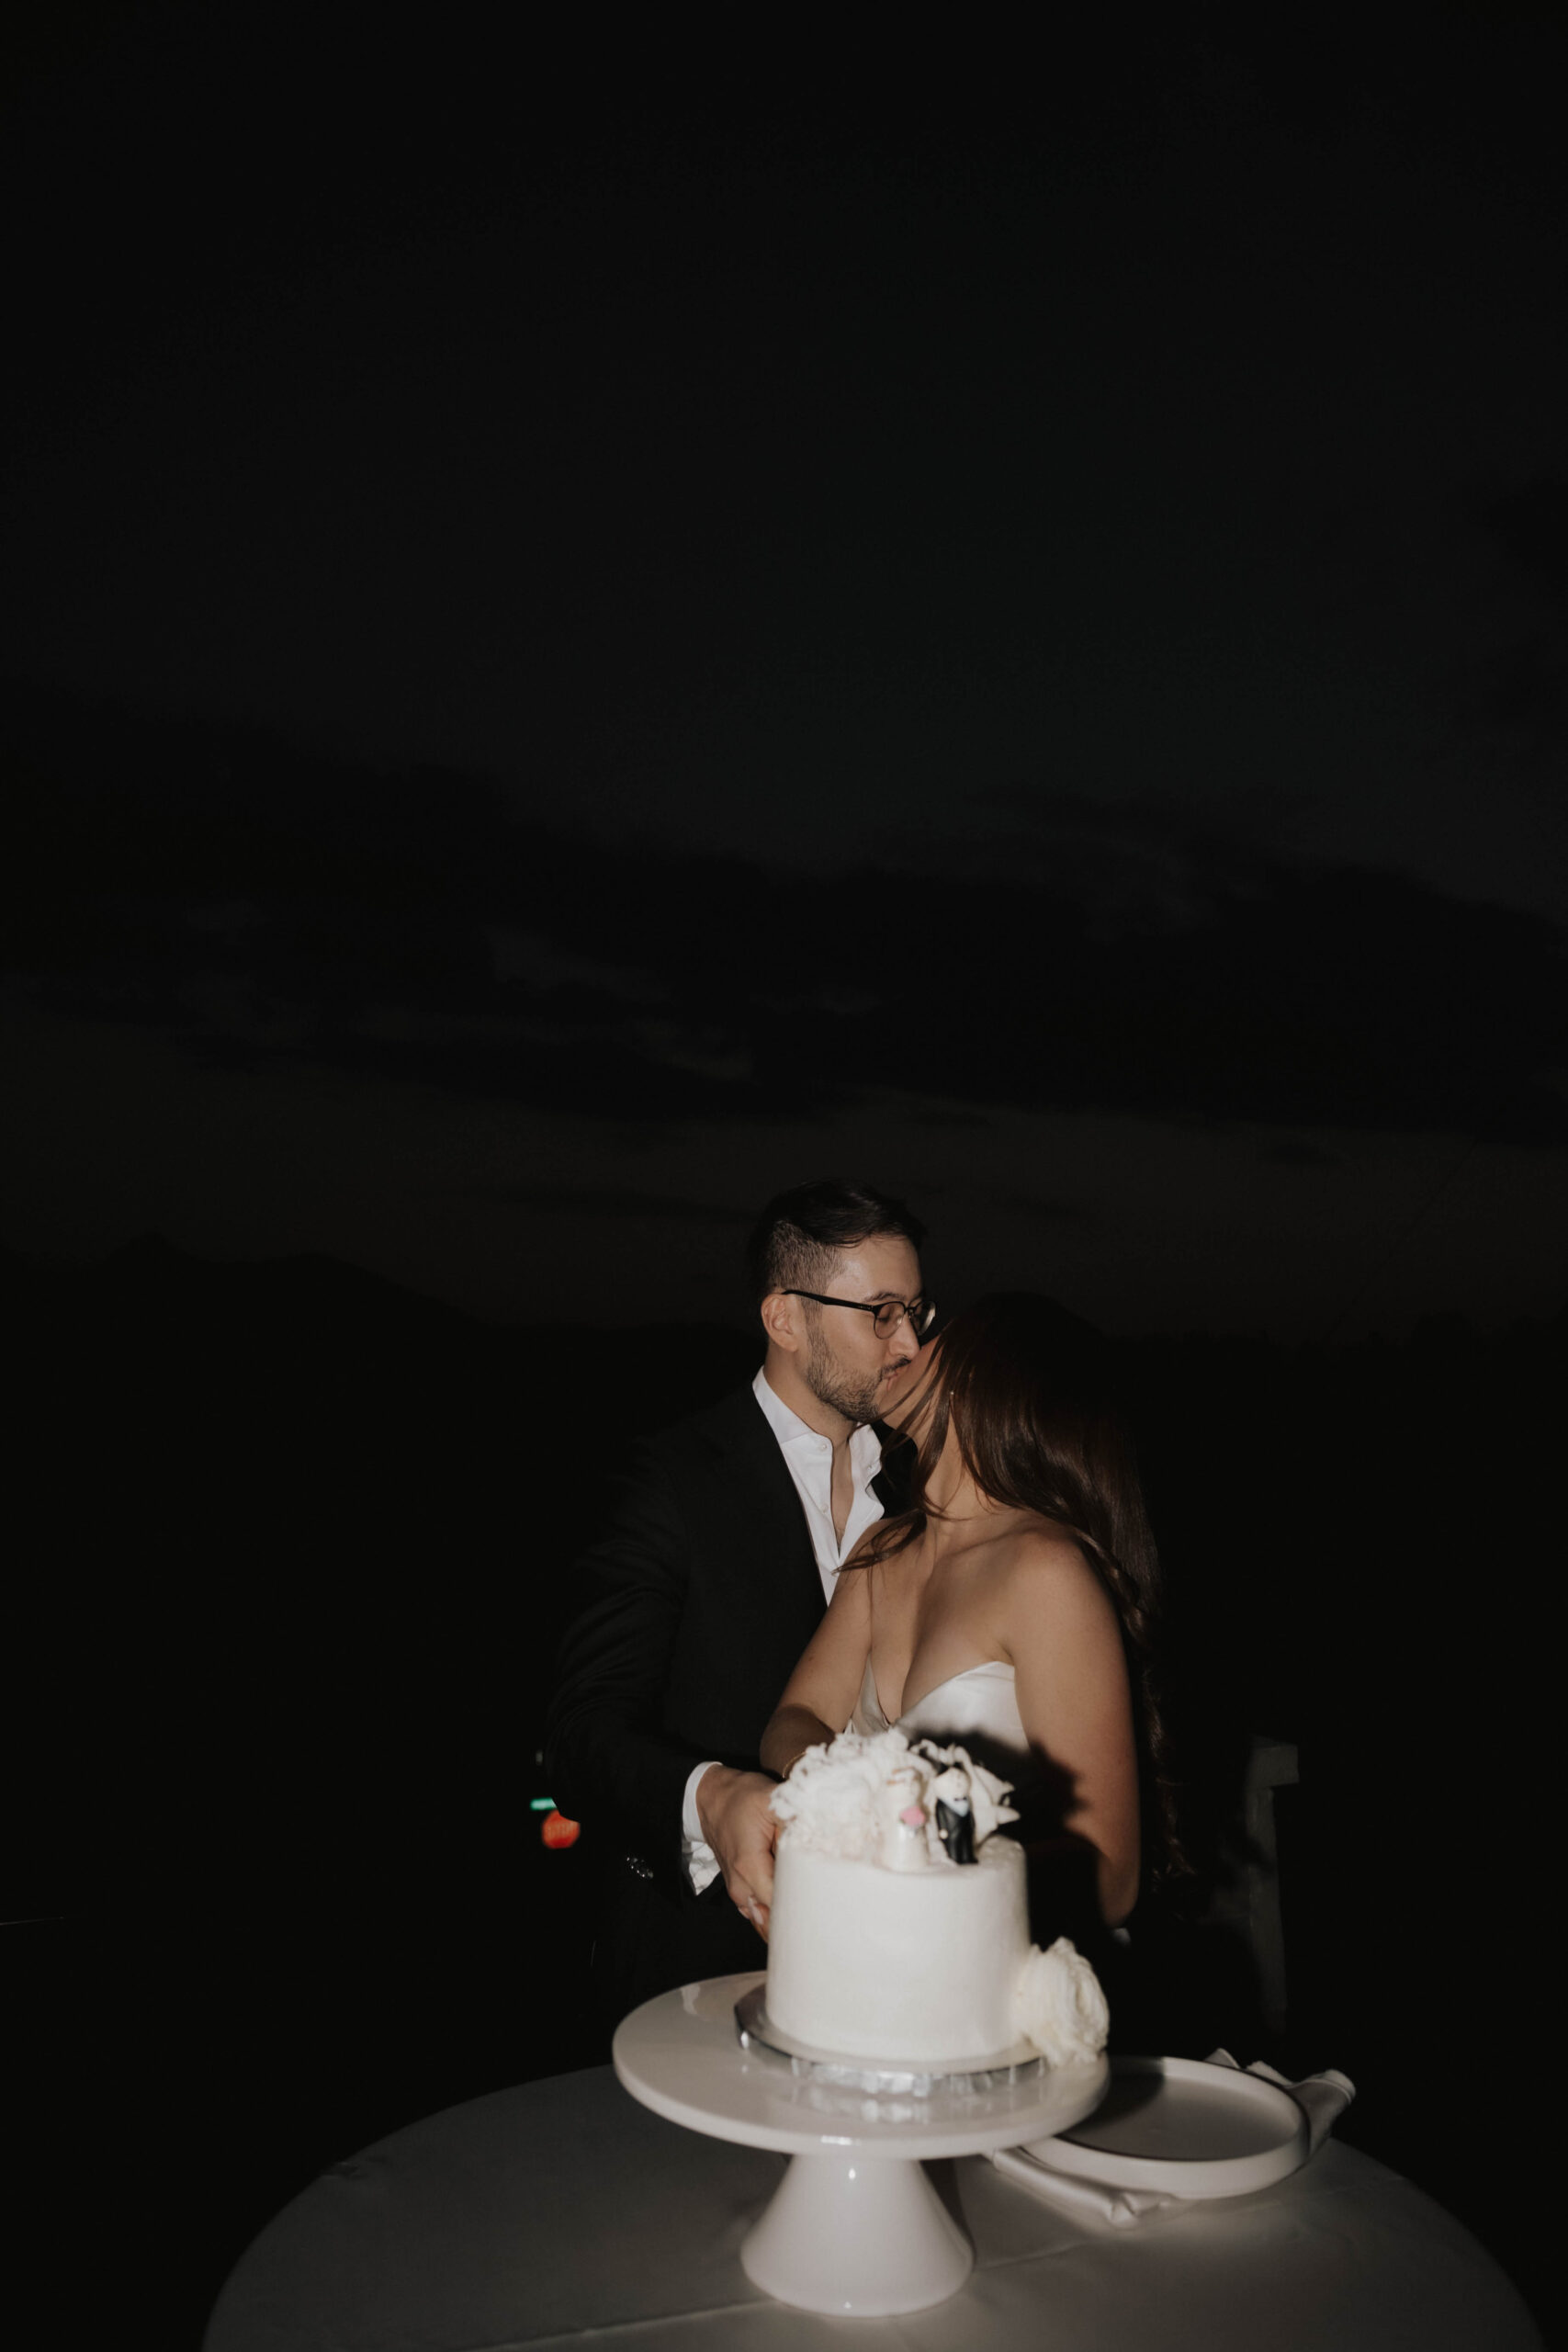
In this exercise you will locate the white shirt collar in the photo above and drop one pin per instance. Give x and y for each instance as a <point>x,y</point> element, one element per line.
<point>865,1446</point>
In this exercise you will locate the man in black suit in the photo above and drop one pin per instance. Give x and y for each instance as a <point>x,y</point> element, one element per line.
<point>711,1578</point>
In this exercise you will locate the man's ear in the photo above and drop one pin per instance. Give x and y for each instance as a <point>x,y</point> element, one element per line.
<point>782,1321</point>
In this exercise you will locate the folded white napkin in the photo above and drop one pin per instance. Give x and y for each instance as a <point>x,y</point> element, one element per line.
<point>1325,2095</point>
<point>1119,2206</point>
<point>1323,2098</point>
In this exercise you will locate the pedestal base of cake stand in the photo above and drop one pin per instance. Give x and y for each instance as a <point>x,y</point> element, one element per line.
<point>855,2227</point>
<point>853,2234</point>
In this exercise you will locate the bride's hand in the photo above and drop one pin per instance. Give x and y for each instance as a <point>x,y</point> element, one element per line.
<point>732,1808</point>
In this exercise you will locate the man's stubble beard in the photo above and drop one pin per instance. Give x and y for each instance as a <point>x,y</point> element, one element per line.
<point>856,1395</point>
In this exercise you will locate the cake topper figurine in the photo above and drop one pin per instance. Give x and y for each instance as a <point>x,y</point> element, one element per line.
<point>904,1837</point>
<point>905,1845</point>
<point>954,1815</point>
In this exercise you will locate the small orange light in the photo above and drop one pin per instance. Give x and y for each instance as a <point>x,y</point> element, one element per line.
<point>557,1830</point>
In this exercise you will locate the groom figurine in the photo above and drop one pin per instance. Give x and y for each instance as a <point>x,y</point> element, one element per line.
<point>710,1579</point>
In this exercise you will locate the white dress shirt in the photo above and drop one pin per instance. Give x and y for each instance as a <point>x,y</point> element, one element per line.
<point>808,1458</point>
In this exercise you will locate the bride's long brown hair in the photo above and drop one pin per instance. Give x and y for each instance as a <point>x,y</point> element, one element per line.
<point>1027,1388</point>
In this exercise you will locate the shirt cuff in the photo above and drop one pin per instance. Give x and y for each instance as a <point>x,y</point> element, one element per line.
<point>700,1861</point>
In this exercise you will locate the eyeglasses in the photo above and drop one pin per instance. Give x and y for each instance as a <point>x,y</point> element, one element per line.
<point>885,1314</point>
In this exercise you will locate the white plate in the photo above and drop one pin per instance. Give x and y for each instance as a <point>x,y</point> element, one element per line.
<point>1183,2127</point>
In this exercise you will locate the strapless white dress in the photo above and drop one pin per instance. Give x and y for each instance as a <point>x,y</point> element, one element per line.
<point>976,1708</point>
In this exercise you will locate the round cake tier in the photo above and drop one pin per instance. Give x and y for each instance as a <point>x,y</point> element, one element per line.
<point>918,1966</point>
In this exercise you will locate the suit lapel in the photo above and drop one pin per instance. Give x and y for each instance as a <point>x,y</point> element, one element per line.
<point>753,1458</point>
<point>768,1505</point>
<point>891,1484</point>
<point>755,1594</point>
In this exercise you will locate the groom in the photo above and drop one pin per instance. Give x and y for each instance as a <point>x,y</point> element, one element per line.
<point>710,1579</point>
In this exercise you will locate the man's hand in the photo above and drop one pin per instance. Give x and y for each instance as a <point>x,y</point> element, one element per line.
<point>733,1810</point>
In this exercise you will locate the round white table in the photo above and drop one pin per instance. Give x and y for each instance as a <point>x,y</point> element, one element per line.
<point>540,2214</point>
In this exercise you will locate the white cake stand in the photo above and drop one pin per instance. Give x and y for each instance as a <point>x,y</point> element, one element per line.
<point>854,2227</point>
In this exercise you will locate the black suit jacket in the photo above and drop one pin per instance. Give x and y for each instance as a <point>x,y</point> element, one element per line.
<point>692,1610</point>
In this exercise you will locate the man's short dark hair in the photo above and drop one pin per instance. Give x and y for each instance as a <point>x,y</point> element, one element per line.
<point>800,1232</point>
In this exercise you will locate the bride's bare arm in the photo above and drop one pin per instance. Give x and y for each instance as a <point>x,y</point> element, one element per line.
<point>1073,1695</point>
<point>820,1695</point>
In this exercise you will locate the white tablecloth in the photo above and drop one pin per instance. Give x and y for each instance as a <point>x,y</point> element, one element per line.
<point>539,2213</point>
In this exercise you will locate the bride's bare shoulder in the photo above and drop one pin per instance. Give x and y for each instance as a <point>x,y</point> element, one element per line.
<point>1039,1542</point>
<point>1046,1557</point>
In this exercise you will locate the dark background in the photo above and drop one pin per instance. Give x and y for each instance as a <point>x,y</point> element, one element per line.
<point>592,632</point>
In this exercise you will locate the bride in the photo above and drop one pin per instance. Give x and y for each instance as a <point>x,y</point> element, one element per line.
<point>1011,1607</point>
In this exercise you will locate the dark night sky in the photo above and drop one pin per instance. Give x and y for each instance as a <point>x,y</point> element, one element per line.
<point>589,634</point>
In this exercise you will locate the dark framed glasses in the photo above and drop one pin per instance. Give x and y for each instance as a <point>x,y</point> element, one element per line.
<point>886,1314</point>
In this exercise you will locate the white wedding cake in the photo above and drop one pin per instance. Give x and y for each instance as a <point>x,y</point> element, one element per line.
<point>899,1924</point>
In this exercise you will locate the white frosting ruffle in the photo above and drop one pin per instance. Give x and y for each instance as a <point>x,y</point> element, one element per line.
<point>845,1799</point>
